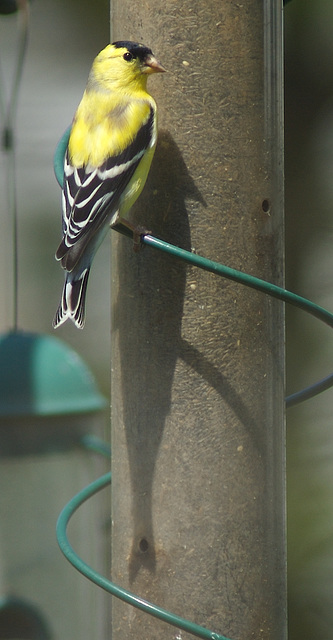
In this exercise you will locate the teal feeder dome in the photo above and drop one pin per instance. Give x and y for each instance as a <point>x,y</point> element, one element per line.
<point>41,376</point>
<point>48,396</point>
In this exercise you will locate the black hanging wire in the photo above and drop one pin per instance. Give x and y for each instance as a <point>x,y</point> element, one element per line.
<point>8,110</point>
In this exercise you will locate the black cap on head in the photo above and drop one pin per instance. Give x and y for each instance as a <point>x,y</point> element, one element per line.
<point>135,48</point>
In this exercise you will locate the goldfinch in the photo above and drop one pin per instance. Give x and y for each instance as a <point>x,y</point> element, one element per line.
<point>110,150</point>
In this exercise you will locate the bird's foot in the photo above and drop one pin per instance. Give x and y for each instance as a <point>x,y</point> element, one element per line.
<point>137,231</point>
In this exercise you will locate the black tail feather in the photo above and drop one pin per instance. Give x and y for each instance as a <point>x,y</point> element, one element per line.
<point>72,304</point>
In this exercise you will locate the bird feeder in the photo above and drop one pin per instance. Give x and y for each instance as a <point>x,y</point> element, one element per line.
<point>48,401</point>
<point>198,441</point>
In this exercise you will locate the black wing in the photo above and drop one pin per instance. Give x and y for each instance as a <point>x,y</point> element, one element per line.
<point>90,196</point>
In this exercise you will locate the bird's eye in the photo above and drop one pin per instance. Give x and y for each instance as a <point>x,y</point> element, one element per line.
<point>128,56</point>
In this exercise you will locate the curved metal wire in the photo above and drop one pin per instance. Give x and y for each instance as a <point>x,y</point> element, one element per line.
<point>218,269</point>
<point>107,585</point>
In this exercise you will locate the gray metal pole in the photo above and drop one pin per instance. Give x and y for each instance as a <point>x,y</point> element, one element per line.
<point>197,361</point>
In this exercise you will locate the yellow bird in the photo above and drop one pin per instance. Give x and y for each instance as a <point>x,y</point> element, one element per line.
<point>110,150</point>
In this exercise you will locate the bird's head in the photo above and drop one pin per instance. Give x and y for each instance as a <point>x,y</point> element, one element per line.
<point>124,64</point>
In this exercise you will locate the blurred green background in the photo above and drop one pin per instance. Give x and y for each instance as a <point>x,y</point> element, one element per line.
<point>64,38</point>
<point>309,236</point>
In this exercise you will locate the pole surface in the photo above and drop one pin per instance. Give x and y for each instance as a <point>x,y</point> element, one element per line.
<point>197,361</point>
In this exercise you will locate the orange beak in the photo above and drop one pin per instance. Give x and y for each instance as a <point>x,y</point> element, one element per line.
<point>152,65</point>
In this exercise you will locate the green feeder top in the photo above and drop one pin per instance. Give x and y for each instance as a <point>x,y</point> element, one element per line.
<point>41,375</point>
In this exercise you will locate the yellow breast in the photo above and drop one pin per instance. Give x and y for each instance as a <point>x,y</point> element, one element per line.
<point>104,125</point>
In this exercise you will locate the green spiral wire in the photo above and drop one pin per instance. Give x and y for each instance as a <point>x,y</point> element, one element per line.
<point>220,270</point>
<point>104,583</point>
